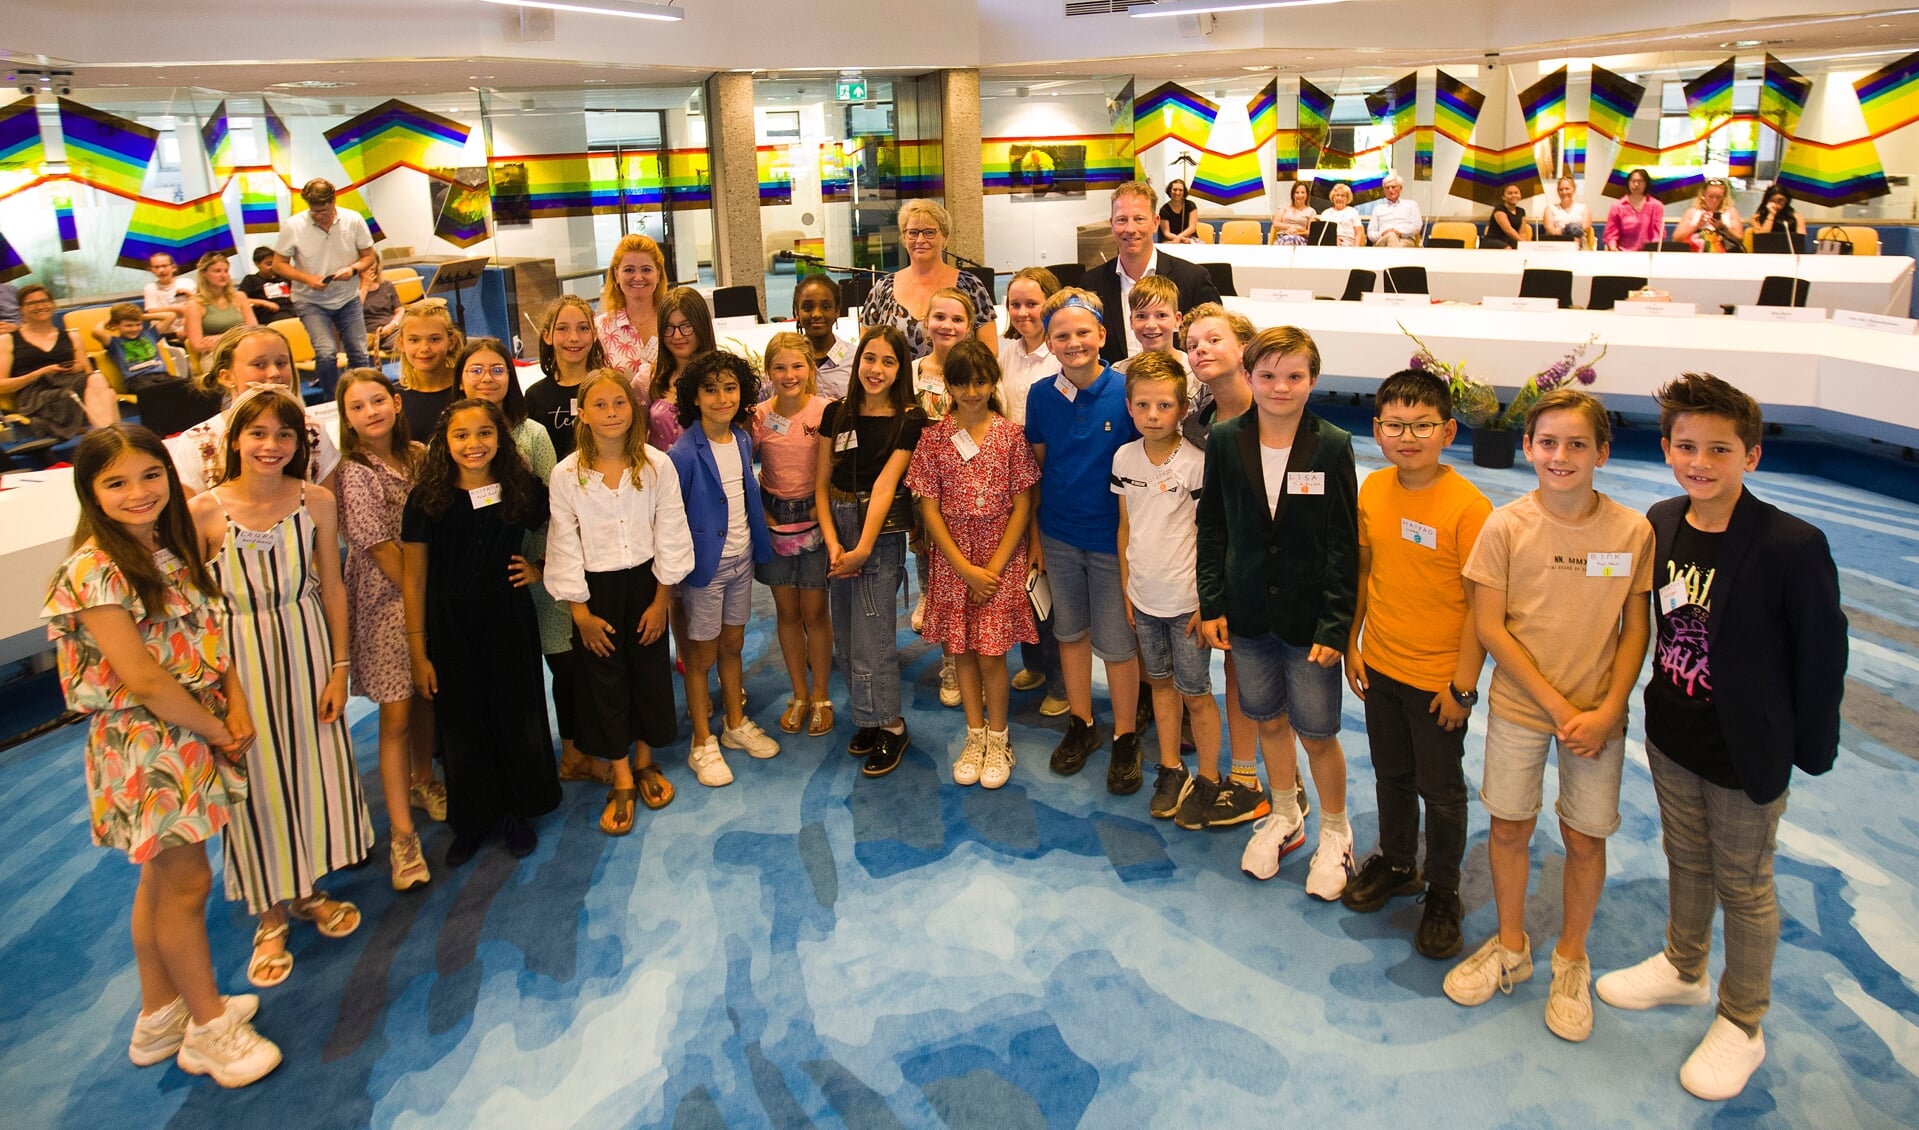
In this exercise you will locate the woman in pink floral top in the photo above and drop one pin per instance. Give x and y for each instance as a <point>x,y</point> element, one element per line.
<point>628,322</point>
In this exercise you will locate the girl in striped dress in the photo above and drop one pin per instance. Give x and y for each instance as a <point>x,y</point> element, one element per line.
<point>271,541</point>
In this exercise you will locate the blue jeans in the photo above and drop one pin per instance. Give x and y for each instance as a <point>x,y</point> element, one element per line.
<point>348,325</point>
<point>866,615</point>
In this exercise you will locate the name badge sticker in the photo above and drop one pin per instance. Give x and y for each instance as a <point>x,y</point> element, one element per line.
<point>1609,564</point>
<point>1673,597</point>
<point>485,496</point>
<point>1167,486</point>
<point>165,559</point>
<point>573,406</point>
<point>930,383</point>
<point>846,441</point>
<point>1418,533</point>
<point>255,539</point>
<point>777,424</point>
<point>1066,388</point>
<point>965,445</point>
<point>1305,482</point>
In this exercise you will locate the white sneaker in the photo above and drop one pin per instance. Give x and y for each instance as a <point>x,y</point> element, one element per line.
<point>1651,983</point>
<point>1719,1067</point>
<point>1332,866</point>
<point>1569,1007</point>
<point>919,613</point>
<point>708,765</point>
<point>229,1050</point>
<point>1274,838</point>
<point>157,1035</point>
<point>967,769</point>
<point>749,737</point>
<point>949,682</point>
<point>998,768</point>
<point>1492,968</point>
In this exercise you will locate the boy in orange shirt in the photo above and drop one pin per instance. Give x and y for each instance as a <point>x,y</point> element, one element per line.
<point>1415,657</point>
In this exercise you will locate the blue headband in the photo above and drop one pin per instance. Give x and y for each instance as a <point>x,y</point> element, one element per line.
<point>1072,301</point>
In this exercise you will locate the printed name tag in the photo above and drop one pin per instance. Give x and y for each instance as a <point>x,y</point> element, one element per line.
<point>1418,534</point>
<point>964,444</point>
<point>777,424</point>
<point>1673,597</point>
<point>1167,486</point>
<point>1609,564</point>
<point>165,559</point>
<point>573,406</point>
<point>930,383</point>
<point>1305,482</point>
<point>846,441</point>
<point>1066,388</point>
<point>485,496</point>
<point>255,539</point>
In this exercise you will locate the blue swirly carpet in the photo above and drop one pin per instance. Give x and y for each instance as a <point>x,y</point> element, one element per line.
<point>808,948</point>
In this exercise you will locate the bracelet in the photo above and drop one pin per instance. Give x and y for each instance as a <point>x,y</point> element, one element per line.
<point>339,663</point>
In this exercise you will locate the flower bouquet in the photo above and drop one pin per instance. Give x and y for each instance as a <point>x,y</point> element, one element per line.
<point>1477,403</point>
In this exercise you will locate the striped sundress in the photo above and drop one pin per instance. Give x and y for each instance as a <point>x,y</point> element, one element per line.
<point>305,814</point>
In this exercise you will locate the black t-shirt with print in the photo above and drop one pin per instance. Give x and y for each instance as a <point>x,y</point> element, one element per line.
<point>1681,719</point>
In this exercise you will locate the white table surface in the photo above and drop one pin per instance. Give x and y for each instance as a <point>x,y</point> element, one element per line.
<point>1877,284</point>
<point>38,511</point>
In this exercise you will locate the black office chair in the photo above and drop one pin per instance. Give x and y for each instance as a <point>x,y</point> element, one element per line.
<point>737,302</point>
<point>1539,282</point>
<point>1772,242</point>
<point>853,291</point>
<point>1358,282</point>
<point>1674,245</point>
<point>173,406</point>
<point>1322,233</point>
<point>1442,241</point>
<point>1607,290</point>
<point>1222,278</point>
<point>1781,290</point>
<point>984,275</point>
<point>1406,280</point>
<point>1068,274</point>
<point>1562,237</point>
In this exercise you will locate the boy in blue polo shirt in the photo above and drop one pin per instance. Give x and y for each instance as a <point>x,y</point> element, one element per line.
<point>1076,422</point>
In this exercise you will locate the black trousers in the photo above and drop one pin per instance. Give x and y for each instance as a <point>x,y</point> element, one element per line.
<point>627,696</point>
<point>1415,759</point>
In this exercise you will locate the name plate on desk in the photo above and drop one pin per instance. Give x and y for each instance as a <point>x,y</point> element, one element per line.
<point>1656,309</point>
<point>1780,313</point>
<point>1508,302</point>
<point>1884,323</point>
<point>1378,299</point>
<point>1279,294</point>
<point>738,324</point>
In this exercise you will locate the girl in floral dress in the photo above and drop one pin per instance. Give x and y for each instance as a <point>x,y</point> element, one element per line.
<point>142,654</point>
<point>973,473</point>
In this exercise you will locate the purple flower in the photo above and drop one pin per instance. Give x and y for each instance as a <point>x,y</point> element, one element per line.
<point>1417,364</point>
<point>1586,375</point>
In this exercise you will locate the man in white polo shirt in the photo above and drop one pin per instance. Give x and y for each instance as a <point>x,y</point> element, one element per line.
<point>322,251</point>
<point>1394,222</point>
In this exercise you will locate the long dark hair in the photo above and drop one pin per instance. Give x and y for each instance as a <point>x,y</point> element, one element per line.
<point>549,359</point>
<point>686,389</point>
<point>514,406</point>
<point>689,303</point>
<point>900,395</point>
<point>520,494</point>
<point>174,528</point>
<point>969,362</point>
<point>257,402</point>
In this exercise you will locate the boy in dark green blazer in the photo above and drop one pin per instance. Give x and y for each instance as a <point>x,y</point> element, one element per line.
<point>1278,581</point>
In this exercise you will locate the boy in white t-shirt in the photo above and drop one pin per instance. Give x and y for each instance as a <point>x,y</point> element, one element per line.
<point>1158,481</point>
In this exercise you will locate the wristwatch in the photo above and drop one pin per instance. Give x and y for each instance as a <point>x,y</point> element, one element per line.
<point>1464,698</point>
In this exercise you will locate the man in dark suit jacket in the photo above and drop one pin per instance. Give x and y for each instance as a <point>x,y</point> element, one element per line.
<point>1134,221</point>
<point>1748,672</point>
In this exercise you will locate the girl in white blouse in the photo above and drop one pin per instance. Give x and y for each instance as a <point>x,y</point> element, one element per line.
<point>618,540</point>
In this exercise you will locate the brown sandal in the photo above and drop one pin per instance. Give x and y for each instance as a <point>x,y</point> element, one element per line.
<point>821,720</point>
<point>617,820</point>
<point>793,720</point>
<point>341,920</point>
<point>583,768</point>
<point>655,790</point>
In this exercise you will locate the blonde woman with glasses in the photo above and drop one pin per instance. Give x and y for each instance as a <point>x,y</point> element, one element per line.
<point>901,299</point>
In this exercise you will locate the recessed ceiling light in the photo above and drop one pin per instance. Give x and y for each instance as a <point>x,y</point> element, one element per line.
<point>594,80</point>
<point>310,84</point>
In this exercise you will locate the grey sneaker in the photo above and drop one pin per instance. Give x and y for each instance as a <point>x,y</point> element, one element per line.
<point>1569,1007</point>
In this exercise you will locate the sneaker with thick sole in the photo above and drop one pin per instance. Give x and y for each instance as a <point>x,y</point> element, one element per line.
<point>1123,776</point>
<point>1491,969</point>
<point>1724,1061</point>
<point>1075,746</point>
<point>157,1036</point>
<point>1273,840</point>
<point>1196,804</point>
<point>1650,984</point>
<point>1237,803</point>
<point>1438,934</point>
<point>1569,1007</point>
<point>408,863</point>
<point>1052,706</point>
<point>749,737</point>
<point>998,767</point>
<point>972,757</point>
<point>1332,866</point>
<point>708,765</point>
<point>949,682</point>
<point>229,1050</point>
<point>1170,786</point>
<point>886,755</point>
<point>429,796</point>
<point>1029,680</point>
<point>1378,882</point>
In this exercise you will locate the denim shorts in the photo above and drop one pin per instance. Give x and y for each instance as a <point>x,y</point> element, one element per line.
<point>726,599</point>
<point>802,571</point>
<point>1087,597</point>
<point>1277,678</point>
<point>1165,650</point>
<point>1516,774</point>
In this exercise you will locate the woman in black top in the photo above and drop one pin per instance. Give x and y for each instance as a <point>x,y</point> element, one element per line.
<point>46,370</point>
<point>1775,213</point>
<point>1178,217</point>
<point>1508,224</point>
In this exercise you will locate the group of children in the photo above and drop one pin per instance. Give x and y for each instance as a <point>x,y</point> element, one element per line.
<point>1193,502</point>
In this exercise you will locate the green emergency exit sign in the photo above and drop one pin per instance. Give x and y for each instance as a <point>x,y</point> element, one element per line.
<point>852,90</point>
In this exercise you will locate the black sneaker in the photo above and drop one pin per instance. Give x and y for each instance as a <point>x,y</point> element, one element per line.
<point>462,850</point>
<point>521,837</point>
<point>1169,789</point>
<point>1197,803</point>
<point>1236,804</point>
<point>1143,714</point>
<point>1123,776</point>
<point>1081,739</point>
<point>1379,880</point>
<point>1438,933</point>
<point>865,740</point>
<point>886,755</point>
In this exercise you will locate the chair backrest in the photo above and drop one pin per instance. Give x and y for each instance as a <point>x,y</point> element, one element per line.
<point>295,331</point>
<point>1069,274</point>
<point>1204,233</point>
<point>1406,280</point>
<point>395,274</point>
<point>987,276</point>
<point>853,291</point>
<point>1358,282</point>
<point>1222,278</point>
<point>737,302</point>
<point>409,289</point>
<point>1783,290</point>
<point>1240,231</point>
<point>1674,245</point>
<point>86,321</point>
<point>103,361</point>
<point>1607,290</point>
<point>1865,241</point>
<point>169,407</point>
<point>1770,242</point>
<point>1541,282</point>
<point>1322,233</point>
<point>1444,241</point>
<point>1467,234</point>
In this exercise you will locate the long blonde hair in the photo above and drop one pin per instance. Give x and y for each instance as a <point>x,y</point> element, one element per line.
<point>796,343</point>
<point>221,358</point>
<point>231,296</point>
<point>429,308</point>
<point>586,444</point>
<point>633,243</point>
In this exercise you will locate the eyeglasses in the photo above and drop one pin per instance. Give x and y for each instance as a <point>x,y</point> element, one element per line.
<point>1421,429</point>
<point>677,329</point>
<point>917,234</point>
<point>36,302</point>
<point>486,370</point>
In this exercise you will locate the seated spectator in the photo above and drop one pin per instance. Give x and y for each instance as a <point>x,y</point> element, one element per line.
<point>1507,226</point>
<point>1178,217</point>
<point>217,304</point>
<point>1567,216</point>
<point>167,296</point>
<point>1343,216</point>
<point>380,304</point>
<point>136,350</point>
<point>267,291</point>
<point>1291,223</point>
<point>1395,222</point>
<point>1775,213</point>
<point>1637,221</point>
<point>46,371</point>
<point>1712,223</point>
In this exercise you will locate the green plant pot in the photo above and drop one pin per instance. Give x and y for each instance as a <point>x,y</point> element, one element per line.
<point>1494,448</point>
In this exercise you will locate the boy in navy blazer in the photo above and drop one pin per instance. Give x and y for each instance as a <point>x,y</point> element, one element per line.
<point>1748,670</point>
